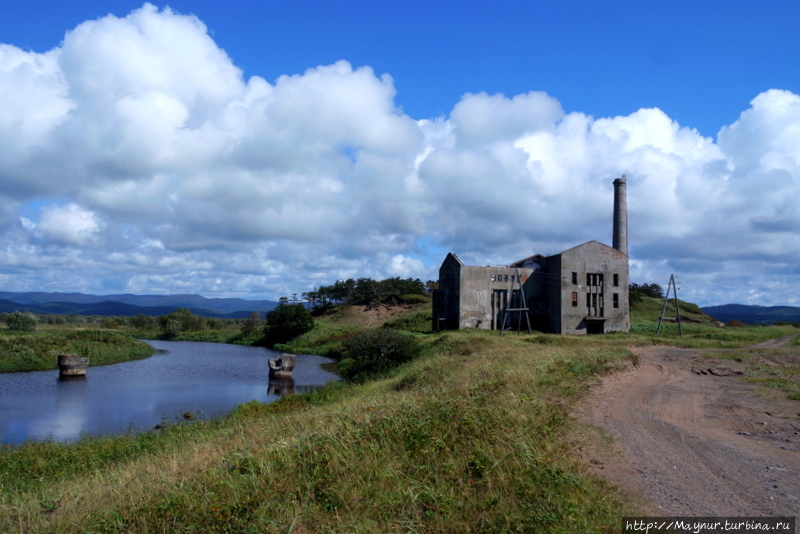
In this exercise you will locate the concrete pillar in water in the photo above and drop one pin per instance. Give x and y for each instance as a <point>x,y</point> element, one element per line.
<point>620,241</point>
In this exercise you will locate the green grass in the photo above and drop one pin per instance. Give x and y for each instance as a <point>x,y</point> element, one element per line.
<point>341,322</point>
<point>699,330</point>
<point>39,350</point>
<point>416,321</point>
<point>469,437</point>
<point>649,309</point>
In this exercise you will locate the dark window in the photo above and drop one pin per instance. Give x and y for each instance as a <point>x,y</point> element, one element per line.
<point>574,299</point>
<point>616,299</point>
<point>574,278</point>
<point>616,280</point>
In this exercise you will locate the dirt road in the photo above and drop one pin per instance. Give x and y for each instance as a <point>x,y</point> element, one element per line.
<point>692,438</point>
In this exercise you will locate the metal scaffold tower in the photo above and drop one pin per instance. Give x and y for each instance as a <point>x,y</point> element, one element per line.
<point>672,286</point>
<point>521,306</point>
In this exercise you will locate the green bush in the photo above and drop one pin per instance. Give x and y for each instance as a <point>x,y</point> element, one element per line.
<point>109,323</point>
<point>170,328</point>
<point>373,352</point>
<point>21,321</point>
<point>143,322</point>
<point>286,322</point>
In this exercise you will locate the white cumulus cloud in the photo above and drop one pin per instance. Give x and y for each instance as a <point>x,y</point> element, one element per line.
<point>175,173</point>
<point>69,224</point>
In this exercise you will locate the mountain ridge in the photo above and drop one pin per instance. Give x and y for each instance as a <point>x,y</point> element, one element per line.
<point>753,314</point>
<point>129,304</point>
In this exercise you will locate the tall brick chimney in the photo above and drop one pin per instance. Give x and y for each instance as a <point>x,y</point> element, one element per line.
<point>620,215</point>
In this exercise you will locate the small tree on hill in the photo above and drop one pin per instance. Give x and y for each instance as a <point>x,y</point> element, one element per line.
<point>252,324</point>
<point>372,352</point>
<point>286,322</point>
<point>637,291</point>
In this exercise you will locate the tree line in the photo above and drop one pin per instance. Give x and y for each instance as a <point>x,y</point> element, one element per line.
<point>637,291</point>
<point>369,292</point>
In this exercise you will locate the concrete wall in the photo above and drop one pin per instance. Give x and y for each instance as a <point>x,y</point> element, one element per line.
<point>596,258</point>
<point>446,299</point>
<point>479,306</point>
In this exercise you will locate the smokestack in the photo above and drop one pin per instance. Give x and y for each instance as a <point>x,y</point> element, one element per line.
<point>620,215</point>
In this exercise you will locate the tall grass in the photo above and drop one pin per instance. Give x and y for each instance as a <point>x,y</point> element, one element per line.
<point>39,350</point>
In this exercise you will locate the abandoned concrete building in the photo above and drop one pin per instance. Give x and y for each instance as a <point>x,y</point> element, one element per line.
<point>582,290</point>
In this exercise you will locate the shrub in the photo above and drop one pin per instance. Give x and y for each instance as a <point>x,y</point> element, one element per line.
<point>109,323</point>
<point>21,321</point>
<point>179,321</point>
<point>372,352</point>
<point>215,323</point>
<point>252,324</point>
<point>143,322</point>
<point>170,328</point>
<point>734,322</point>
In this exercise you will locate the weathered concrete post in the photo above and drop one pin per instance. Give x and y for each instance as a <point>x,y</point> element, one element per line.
<point>72,365</point>
<point>281,367</point>
<point>620,241</point>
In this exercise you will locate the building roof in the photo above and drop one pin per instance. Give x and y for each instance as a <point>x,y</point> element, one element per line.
<point>455,257</point>
<point>523,261</point>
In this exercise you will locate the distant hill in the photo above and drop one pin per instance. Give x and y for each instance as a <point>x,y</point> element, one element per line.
<point>129,305</point>
<point>753,314</point>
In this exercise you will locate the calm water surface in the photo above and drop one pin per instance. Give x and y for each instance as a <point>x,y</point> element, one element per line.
<point>204,378</point>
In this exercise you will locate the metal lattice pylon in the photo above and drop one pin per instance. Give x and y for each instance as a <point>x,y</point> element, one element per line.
<point>523,305</point>
<point>674,287</point>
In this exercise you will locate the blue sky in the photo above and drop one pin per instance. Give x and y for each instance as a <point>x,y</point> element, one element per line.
<point>700,62</point>
<point>459,122</point>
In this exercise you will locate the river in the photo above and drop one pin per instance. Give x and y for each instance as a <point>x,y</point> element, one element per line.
<point>204,379</point>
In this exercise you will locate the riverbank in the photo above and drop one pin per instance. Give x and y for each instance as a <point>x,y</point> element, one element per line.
<point>39,350</point>
<point>473,435</point>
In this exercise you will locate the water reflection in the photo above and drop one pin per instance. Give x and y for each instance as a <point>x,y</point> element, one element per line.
<point>203,378</point>
<point>281,386</point>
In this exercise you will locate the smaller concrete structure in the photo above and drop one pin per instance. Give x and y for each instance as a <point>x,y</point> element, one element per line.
<point>281,367</point>
<point>72,365</point>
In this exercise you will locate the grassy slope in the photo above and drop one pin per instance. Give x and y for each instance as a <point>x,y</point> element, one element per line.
<point>470,437</point>
<point>39,350</point>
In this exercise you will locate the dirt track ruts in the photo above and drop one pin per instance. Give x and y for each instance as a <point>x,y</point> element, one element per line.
<point>693,439</point>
